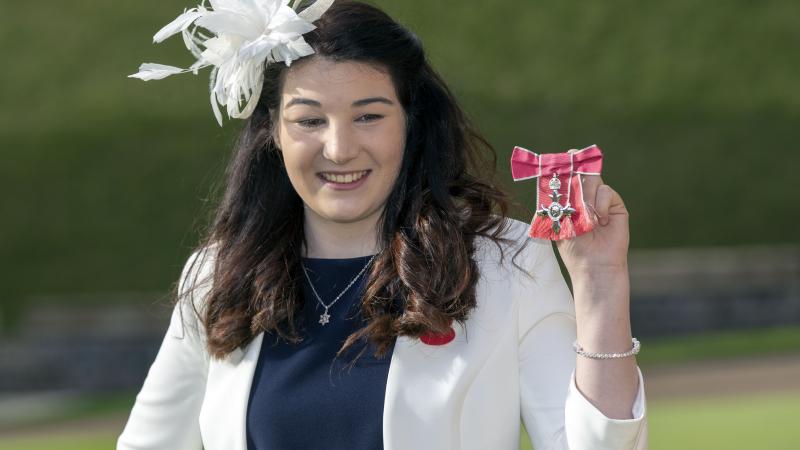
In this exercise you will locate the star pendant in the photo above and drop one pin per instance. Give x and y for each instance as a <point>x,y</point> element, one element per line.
<point>324,318</point>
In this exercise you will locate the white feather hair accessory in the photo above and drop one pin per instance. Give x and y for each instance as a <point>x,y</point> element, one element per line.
<point>248,33</point>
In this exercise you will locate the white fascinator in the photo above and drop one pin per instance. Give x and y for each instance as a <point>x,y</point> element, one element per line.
<point>247,34</point>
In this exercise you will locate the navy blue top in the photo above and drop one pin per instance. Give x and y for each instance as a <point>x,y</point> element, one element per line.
<point>301,398</point>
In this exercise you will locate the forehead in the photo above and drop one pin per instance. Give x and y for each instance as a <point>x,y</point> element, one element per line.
<point>336,81</point>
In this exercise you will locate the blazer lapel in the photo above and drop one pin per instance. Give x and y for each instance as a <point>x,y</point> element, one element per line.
<point>422,403</point>
<point>224,412</point>
<point>423,380</point>
<point>417,403</point>
<point>428,385</point>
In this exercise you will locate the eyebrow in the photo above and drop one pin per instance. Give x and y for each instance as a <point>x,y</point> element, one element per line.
<point>362,102</point>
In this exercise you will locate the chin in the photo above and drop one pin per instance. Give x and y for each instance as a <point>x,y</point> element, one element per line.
<point>344,217</point>
<point>344,211</point>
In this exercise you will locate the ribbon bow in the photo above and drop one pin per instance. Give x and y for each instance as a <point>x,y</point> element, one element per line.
<point>559,175</point>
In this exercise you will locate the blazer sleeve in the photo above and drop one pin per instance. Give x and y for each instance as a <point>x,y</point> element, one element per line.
<point>556,414</point>
<point>165,414</point>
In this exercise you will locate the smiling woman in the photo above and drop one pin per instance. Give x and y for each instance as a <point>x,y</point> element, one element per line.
<point>341,135</point>
<point>361,221</point>
<point>365,102</point>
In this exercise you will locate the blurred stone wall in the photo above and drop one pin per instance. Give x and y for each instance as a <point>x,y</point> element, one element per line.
<point>683,291</point>
<point>673,292</point>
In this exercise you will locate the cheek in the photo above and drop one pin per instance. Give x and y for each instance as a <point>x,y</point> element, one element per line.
<point>289,160</point>
<point>398,149</point>
<point>299,170</point>
<point>295,147</point>
<point>392,155</point>
<point>391,162</point>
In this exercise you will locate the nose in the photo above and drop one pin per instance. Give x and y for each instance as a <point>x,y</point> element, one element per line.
<point>340,145</point>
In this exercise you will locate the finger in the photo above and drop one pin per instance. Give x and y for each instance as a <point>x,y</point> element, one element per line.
<point>604,197</point>
<point>589,185</point>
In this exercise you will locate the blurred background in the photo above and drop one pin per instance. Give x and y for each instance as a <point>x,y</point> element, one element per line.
<point>107,180</point>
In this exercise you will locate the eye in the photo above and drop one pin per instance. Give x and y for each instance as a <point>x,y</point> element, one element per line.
<point>370,117</point>
<point>309,123</point>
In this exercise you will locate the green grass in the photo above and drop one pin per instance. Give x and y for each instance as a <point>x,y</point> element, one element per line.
<point>83,407</point>
<point>740,422</point>
<point>763,421</point>
<point>100,441</point>
<point>105,177</point>
<point>720,345</point>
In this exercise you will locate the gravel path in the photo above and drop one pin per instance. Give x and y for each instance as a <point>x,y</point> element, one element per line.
<point>714,378</point>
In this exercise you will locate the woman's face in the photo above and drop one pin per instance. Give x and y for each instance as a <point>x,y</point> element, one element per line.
<point>342,131</point>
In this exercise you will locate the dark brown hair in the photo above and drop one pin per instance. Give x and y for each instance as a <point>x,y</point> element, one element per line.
<point>443,199</point>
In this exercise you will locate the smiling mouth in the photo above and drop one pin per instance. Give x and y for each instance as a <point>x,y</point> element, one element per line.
<point>349,177</point>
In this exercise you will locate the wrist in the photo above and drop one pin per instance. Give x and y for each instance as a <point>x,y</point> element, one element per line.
<point>604,289</point>
<point>602,310</point>
<point>594,272</point>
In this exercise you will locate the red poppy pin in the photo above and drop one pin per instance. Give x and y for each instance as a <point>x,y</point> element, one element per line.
<point>431,338</point>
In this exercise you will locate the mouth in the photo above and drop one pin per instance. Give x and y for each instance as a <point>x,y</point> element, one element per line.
<point>343,178</point>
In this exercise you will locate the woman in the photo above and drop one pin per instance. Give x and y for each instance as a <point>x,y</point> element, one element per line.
<point>357,227</point>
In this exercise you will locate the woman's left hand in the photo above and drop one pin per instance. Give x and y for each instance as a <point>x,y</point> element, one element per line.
<point>598,265</point>
<point>605,248</point>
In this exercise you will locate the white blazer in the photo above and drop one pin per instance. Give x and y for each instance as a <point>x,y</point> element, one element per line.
<point>513,361</point>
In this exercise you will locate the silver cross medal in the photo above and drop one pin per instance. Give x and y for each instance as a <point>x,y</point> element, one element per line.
<point>555,211</point>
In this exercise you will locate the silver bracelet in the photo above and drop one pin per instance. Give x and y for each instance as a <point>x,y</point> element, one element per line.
<point>630,352</point>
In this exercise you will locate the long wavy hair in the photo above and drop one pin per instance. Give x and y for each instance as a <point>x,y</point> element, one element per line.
<point>443,198</point>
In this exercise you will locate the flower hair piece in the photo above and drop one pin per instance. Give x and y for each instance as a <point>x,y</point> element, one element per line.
<point>248,33</point>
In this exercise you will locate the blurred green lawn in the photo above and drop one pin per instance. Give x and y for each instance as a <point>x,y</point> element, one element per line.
<point>744,422</point>
<point>104,441</point>
<point>718,345</point>
<point>693,103</point>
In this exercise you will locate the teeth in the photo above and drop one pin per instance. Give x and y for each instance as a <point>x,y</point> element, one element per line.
<point>349,178</point>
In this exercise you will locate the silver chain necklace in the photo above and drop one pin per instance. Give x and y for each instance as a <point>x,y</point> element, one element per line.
<point>325,317</point>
